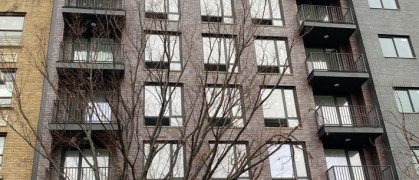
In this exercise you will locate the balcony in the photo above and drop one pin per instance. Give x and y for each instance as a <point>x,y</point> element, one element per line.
<point>79,115</point>
<point>348,124</point>
<point>105,59</point>
<point>325,25</point>
<point>336,71</point>
<point>82,173</point>
<point>94,7</point>
<point>360,172</point>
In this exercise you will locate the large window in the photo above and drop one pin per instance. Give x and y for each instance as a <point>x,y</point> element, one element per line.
<point>225,106</point>
<point>383,4</point>
<point>396,46</point>
<point>11,30</point>
<point>271,56</point>
<point>407,100</point>
<point>163,51</point>
<point>78,165</point>
<point>163,104</point>
<point>100,50</point>
<point>219,54</point>
<point>162,9</point>
<point>6,87</point>
<point>2,141</point>
<point>415,158</point>
<point>287,162</point>
<point>217,11</point>
<point>279,108</point>
<point>234,158</point>
<point>169,157</point>
<point>266,12</point>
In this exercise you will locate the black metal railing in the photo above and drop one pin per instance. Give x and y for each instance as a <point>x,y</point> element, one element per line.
<point>96,4</point>
<point>360,173</point>
<point>91,52</point>
<point>338,62</point>
<point>356,116</point>
<point>326,14</point>
<point>77,111</point>
<point>83,173</point>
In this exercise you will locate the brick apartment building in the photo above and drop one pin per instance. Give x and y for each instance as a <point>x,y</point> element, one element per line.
<point>223,89</point>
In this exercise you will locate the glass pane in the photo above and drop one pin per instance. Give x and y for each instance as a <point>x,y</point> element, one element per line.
<point>213,50</point>
<point>260,9</point>
<point>178,168</point>
<point>403,101</point>
<point>11,23</point>
<point>153,101</point>
<point>99,112</point>
<point>231,53</point>
<point>403,47</point>
<point>290,103</point>
<point>227,8</point>
<point>324,100</point>
<point>173,6</point>
<point>225,167</point>
<point>357,170</point>
<point>160,164</point>
<point>176,99</point>
<point>154,50</point>
<point>389,4</point>
<point>174,52</point>
<point>276,10</point>
<point>387,47</point>
<point>374,3</point>
<point>415,155</point>
<point>281,163</point>
<point>213,97</point>
<point>300,164</point>
<point>266,53</point>
<point>155,6</point>
<point>335,157</point>
<point>71,159</point>
<point>211,8</point>
<point>10,38</point>
<point>414,95</point>
<point>273,107</point>
<point>2,139</point>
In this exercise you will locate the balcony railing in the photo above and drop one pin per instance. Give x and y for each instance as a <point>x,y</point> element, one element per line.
<point>337,62</point>
<point>85,173</point>
<point>325,14</point>
<point>80,112</point>
<point>347,116</point>
<point>360,173</point>
<point>91,52</point>
<point>96,4</point>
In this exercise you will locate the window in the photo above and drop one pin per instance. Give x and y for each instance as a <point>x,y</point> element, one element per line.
<point>76,164</point>
<point>165,100</point>
<point>266,12</point>
<point>346,164</point>
<point>383,4</point>
<point>415,157</point>
<point>168,156</point>
<point>279,109</point>
<point>162,9</point>
<point>219,54</point>
<point>271,56</point>
<point>2,141</point>
<point>6,87</point>
<point>396,47</point>
<point>407,100</point>
<point>217,11</point>
<point>232,161</point>
<point>287,162</point>
<point>225,106</point>
<point>11,30</point>
<point>163,52</point>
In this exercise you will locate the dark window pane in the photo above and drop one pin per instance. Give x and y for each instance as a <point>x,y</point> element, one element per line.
<point>268,69</point>
<point>276,123</point>
<point>152,121</point>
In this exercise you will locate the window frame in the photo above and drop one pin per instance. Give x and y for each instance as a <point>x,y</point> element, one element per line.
<point>234,149</point>
<point>12,74</point>
<point>14,14</point>
<point>163,15</point>
<point>382,5</point>
<point>292,151</point>
<point>268,22</point>
<point>392,37</point>
<point>81,159</point>
<point>284,103</point>
<point>171,144</point>
<point>2,149</point>
<point>398,100</point>
<point>218,19</point>
<point>268,69</point>
<point>164,65</point>
<point>415,156</point>
<point>168,108</point>
<point>228,118</point>
<point>221,66</point>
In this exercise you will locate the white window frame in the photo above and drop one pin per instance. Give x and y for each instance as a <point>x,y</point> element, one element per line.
<point>409,91</point>
<point>162,9</point>
<point>13,27</point>
<point>162,161</point>
<point>153,99</point>
<point>396,48</point>
<point>288,113</point>
<point>233,159</point>
<point>284,158</point>
<point>217,11</point>
<point>219,54</point>
<point>6,88</point>
<point>162,48</point>
<point>383,4</point>
<point>272,56</point>
<point>266,12</point>
<point>225,106</point>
